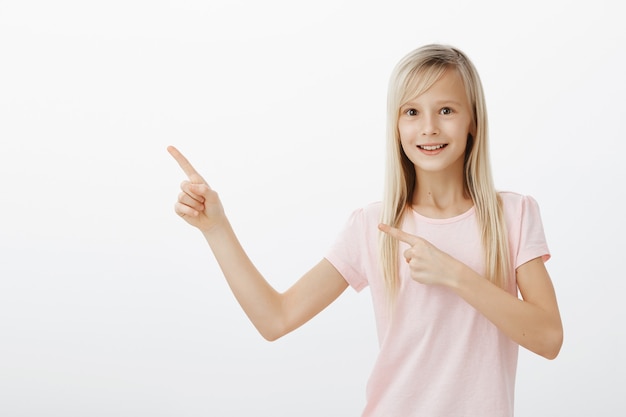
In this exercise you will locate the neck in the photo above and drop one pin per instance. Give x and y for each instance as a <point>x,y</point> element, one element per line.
<point>439,195</point>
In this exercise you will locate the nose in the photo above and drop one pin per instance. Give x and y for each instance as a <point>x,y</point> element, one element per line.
<point>429,125</point>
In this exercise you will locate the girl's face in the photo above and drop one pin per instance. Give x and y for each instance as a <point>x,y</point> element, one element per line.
<point>434,126</point>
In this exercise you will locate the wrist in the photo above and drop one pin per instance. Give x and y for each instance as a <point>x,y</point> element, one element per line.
<point>460,273</point>
<point>216,227</point>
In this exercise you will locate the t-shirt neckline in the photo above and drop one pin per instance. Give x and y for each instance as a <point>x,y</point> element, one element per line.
<point>447,220</point>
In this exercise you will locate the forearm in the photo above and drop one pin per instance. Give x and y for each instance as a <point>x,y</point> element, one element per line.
<point>537,329</point>
<point>259,300</point>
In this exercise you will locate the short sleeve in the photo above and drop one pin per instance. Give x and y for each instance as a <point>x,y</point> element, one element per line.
<point>349,252</point>
<point>532,240</point>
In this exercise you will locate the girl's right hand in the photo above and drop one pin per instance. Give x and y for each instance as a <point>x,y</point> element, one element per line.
<point>197,204</point>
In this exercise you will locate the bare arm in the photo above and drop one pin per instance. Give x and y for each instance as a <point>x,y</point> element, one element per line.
<point>274,314</point>
<point>533,322</point>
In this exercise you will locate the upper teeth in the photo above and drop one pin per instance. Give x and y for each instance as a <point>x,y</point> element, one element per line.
<point>431,147</point>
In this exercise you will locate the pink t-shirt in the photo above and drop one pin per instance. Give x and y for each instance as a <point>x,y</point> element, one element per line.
<point>439,357</point>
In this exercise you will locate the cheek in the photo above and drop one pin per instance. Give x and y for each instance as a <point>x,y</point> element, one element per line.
<point>470,128</point>
<point>407,146</point>
<point>405,142</point>
<point>406,133</point>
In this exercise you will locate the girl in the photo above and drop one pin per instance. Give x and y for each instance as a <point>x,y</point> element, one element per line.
<point>444,255</point>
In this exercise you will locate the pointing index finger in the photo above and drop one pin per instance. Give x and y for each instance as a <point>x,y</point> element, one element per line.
<point>185,165</point>
<point>401,235</point>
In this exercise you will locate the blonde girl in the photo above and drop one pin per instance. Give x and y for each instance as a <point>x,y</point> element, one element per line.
<point>444,254</point>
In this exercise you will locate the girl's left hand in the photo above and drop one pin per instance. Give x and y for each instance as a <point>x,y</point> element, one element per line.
<point>427,263</point>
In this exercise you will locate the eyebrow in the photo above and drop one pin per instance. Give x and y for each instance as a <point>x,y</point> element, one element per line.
<point>437,103</point>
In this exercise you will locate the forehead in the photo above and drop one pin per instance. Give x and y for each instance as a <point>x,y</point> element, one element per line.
<point>449,86</point>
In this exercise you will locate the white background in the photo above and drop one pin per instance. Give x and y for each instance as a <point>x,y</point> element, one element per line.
<point>110,305</point>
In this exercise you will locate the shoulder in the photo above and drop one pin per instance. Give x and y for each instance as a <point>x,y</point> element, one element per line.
<point>374,208</point>
<point>524,227</point>
<point>521,211</point>
<point>516,202</point>
<point>511,197</point>
<point>364,219</point>
<point>369,212</point>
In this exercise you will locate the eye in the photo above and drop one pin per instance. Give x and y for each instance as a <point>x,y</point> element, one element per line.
<point>446,110</point>
<point>410,112</point>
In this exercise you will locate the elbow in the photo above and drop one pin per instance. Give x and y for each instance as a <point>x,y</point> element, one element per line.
<point>556,347</point>
<point>272,331</point>
<point>270,336</point>
<point>553,344</point>
<point>274,325</point>
<point>546,343</point>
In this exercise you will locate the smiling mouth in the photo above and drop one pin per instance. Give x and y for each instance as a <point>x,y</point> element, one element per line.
<point>432,147</point>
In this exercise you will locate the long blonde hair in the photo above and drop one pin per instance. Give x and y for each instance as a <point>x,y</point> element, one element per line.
<point>413,75</point>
